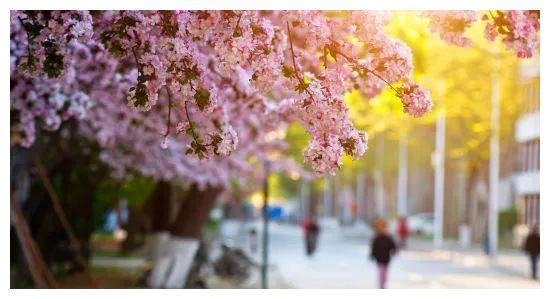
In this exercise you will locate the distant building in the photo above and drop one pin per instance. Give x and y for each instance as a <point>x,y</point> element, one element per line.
<point>527,135</point>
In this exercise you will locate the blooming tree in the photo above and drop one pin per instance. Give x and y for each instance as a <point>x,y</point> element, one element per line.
<point>294,65</point>
<point>199,96</point>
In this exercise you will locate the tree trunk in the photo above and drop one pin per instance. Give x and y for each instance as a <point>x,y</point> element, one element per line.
<point>160,205</point>
<point>40,272</point>
<point>172,268</point>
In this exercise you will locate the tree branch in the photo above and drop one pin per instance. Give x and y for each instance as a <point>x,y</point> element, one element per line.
<point>356,64</point>
<point>302,83</point>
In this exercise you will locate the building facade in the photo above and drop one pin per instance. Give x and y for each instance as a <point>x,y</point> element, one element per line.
<point>527,135</point>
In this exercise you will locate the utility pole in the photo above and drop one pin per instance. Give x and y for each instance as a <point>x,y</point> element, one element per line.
<point>438,160</point>
<point>360,195</point>
<point>265,237</point>
<point>305,200</point>
<point>402,178</point>
<point>327,197</point>
<point>378,179</point>
<point>494,162</point>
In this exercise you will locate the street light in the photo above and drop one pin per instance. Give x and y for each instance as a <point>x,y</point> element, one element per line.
<point>438,161</point>
<point>494,161</point>
<point>265,235</point>
<point>271,156</point>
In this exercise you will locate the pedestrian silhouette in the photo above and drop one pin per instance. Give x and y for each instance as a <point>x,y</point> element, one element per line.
<point>382,250</point>
<point>253,239</point>
<point>532,248</point>
<point>402,232</point>
<point>311,231</point>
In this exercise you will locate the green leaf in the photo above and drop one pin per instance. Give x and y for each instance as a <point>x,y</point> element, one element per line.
<point>333,50</point>
<point>301,87</point>
<point>288,72</point>
<point>349,145</point>
<point>202,98</point>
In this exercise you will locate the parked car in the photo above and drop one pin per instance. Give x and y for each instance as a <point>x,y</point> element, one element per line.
<point>422,223</point>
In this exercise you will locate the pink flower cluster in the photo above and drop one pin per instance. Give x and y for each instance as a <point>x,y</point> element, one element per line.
<point>48,35</point>
<point>324,116</point>
<point>243,39</point>
<point>416,100</point>
<point>451,25</point>
<point>37,100</point>
<point>130,138</point>
<point>519,30</point>
<point>210,86</point>
<point>388,61</point>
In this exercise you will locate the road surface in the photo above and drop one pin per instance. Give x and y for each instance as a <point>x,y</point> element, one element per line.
<point>341,262</point>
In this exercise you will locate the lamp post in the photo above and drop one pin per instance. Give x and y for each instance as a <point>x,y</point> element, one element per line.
<point>494,161</point>
<point>378,179</point>
<point>327,197</point>
<point>438,160</point>
<point>402,178</point>
<point>304,200</point>
<point>265,234</point>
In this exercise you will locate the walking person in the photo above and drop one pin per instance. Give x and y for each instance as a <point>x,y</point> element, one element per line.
<point>382,250</point>
<point>402,232</point>
<point>253,240</point>
<point>311,231</point>
<point>532,248</point>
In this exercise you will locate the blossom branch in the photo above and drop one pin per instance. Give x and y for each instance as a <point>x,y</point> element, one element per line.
<point>237,26</point>
<point>28,36</point>
<point>295,68</point>
<point>358,66</point>
<point>192,128</point>
<point>169,112</point>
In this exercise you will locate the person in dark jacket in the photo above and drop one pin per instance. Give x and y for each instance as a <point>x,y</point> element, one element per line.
<point>382,249</point>
<point>311,232</point>
<point>532,248</point>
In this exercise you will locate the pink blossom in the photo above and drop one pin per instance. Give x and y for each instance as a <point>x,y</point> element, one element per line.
<point>416,100</point>
<point>451,25</point>
<point>213,84</point>
<point>518,29</point>
<point>325,156</point>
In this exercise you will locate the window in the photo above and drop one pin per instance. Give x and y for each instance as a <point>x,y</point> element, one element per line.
<point>531,209</point>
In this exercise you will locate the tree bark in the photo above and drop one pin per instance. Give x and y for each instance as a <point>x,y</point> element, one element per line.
<point>40,272</point>
<point>172,268</point>
<point>160,205</point>
<point>194,212</point>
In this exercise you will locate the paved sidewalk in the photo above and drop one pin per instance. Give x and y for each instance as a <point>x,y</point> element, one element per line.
<point>512,261</point>
<point>341,261</point>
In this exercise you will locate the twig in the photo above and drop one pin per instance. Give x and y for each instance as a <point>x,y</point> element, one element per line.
<point>350,60</point>
<point>137,61</point>
<point>169,112</point>
<point>302,83</point>
<point>237,26</point>
<point>193,133</point>
<point>29,50</point>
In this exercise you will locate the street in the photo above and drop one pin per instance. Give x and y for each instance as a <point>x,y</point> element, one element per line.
<point>341,261</point>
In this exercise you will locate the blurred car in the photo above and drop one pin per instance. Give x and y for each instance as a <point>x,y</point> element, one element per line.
<point>422,223</point>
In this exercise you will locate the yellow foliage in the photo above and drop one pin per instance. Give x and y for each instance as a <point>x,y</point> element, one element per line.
<point>459,81</point>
